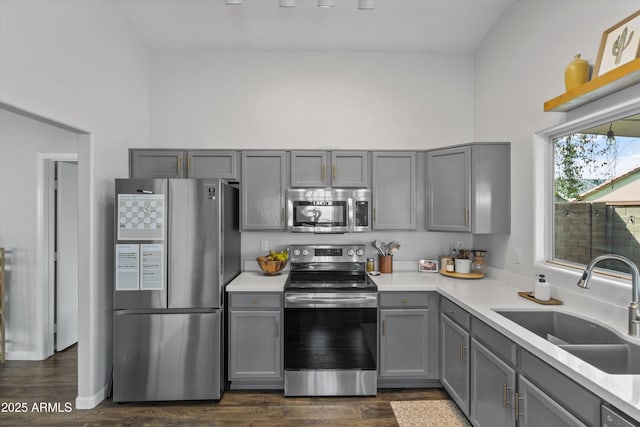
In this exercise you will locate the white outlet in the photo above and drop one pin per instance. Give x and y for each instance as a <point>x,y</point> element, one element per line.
<point>264,245</point>
<point>516,256</point>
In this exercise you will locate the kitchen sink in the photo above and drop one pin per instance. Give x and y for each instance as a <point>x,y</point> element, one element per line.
<point>595,344</point>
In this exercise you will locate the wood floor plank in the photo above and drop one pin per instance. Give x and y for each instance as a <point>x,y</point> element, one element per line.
<point>54,382</point>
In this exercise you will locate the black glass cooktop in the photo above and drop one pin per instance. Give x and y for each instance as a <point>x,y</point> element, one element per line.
<point>329,281</point>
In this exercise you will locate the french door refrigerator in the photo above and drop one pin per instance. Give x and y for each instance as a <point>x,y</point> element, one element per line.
<point>177,246</point>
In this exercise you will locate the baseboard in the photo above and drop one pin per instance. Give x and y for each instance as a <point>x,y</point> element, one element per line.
<point>91,401</point>
<point>24,355</point>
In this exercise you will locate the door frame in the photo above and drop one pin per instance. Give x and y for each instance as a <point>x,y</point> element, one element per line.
<point>45,274</point>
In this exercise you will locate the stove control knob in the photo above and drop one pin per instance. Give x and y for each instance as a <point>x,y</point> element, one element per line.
<point>350,252</point>
<point>359,252</point>
<point>305,252</point>
<point>296,252</point>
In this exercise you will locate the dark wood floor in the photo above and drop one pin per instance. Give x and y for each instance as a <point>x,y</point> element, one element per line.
<point>53,383</point>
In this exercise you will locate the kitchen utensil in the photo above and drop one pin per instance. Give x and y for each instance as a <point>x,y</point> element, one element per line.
<point>379,245</point>
<point>393,247</point>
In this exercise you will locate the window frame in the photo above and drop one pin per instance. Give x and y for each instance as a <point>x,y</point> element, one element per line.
<point>544,164</point>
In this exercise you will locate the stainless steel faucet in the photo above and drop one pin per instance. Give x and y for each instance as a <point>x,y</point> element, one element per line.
<point>634,312</point>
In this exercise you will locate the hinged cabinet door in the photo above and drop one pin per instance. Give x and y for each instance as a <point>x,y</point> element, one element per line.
<point>404,343</point>
<point>493,385</point>
<point>394,190</point>
<point>255,345</point>
<point>349,169</point>
<point>536,408</point>
<point>213,164</point>
<point>263,188</point>
<point>455,362</point>
<point>309,169</point>
<point>449,189</point>
<point>156,163</point>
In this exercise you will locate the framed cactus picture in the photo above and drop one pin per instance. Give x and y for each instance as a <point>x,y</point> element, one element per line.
<point>619,45</point>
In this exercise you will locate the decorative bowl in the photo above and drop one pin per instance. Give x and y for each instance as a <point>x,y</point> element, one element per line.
<point>269,267</point>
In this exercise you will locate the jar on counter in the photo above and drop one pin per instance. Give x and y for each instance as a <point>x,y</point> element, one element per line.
<point>371,266</point>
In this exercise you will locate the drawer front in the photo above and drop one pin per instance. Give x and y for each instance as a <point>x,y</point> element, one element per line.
<point>404,299</point>
<point>569,394</point>
<point>255,300</point>
<point>498,343</point>
<point>456,313</point>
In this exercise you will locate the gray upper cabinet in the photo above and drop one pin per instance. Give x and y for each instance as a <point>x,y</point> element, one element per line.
<point>309,169</point>
<point>493,384</point>
<point>394,190</point>
<point>263,186</point>
<point>213,164</point>
<point>340,169</point>
<point>156,163</point>
<point>145,163</point>
<point>468,188</point>
<point>349,169</point>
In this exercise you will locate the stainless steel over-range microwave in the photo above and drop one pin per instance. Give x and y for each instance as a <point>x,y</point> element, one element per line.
<point>328,210</point>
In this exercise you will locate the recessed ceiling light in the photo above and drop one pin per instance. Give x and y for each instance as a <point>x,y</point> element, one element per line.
<point>233,2</point>
<point>366,4</point>
<point>287,3</point>
<point>325,3</point>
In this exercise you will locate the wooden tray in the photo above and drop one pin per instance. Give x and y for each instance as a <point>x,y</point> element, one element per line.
<point>462,275</point>
<point>530,297</point>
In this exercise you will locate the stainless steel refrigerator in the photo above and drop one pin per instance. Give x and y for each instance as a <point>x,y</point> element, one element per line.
<point>177,246</point>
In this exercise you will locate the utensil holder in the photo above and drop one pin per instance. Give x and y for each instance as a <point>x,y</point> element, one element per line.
<point>385,263</point>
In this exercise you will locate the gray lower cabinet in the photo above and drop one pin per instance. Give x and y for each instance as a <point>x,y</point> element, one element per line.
<point>493,383</point>
<point>454,361</point>
<point>394,190</point>
<point>536,408</point>
<point>263,186</point>
<point>468,188</point>
<point>408,352</point>
<point>156,163</point>
<point>255,343</point>
<point>404,343</point>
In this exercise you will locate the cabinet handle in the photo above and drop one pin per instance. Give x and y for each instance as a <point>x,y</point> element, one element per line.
<point>254,301</point>
<point>450,312</point>
<point>333,172</point>
<point>405,301</point>
<point>282,215</point>
<point>466,216</point>
<point>179,164</point>
<point>277,328</point>
<point>460,351</point>
<point>374,215</point>
<point>517,406</point>
<point>505,390</point>
<point>463,349</point>
<point>324,171</point>
<point>188,163</point>
<point>384,328</point>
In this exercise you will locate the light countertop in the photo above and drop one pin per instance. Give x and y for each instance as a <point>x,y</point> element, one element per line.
<point>480,298</point>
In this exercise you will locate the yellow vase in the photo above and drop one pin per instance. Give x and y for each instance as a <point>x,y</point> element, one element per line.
<point>576,73</point>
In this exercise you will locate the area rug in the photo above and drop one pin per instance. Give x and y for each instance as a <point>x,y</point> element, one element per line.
<point>428,413</point>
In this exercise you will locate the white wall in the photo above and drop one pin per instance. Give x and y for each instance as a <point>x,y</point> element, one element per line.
<point>21,139</point>
<point>80,63</point>
<point>304,100</point>
<point>519,66</point>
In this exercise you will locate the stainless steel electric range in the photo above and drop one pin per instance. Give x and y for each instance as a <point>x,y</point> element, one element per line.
<point>330,323</point>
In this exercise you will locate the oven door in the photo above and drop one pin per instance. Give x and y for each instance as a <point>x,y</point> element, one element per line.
<point>330,344</point>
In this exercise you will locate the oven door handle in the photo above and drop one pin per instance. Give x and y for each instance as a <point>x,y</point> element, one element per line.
<point>300,299</point>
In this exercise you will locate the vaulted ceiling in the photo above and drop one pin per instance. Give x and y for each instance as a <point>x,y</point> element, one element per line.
<point>394,25</point>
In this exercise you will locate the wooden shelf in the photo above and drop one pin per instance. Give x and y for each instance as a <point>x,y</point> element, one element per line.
<point>613,81</point>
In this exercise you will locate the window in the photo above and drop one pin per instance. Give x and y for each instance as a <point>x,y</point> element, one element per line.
<point>597,193</point>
